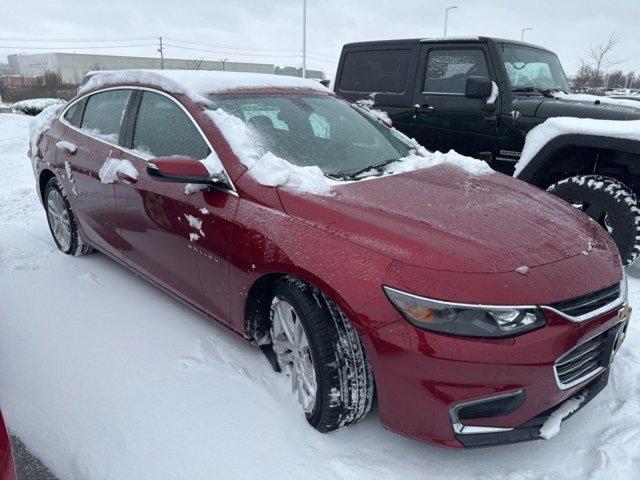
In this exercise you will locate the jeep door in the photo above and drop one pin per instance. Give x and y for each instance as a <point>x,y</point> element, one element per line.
<point>94,127</point>
<point>443,117</point>
<point>156,219</point>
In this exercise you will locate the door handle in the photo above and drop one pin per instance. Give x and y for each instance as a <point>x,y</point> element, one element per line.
<point>69,149</point>
<point>424,108</point>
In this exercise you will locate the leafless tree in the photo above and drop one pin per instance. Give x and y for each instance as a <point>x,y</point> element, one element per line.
<point>583,77</point>
<point>600,59</point>
<point>195,64</point>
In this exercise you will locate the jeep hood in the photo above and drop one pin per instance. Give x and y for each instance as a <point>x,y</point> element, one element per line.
<point>445,218</point>
<point>577,106</point>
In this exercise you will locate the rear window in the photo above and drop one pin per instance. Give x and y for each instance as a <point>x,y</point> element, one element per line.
<point>104,112</point>
<point>74,113</point>
<point>375,71</point>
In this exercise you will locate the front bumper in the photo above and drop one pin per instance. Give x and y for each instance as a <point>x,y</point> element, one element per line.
<point>422,377</point>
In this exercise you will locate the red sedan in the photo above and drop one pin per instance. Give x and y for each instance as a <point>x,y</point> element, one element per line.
<point>7,468</point>
<point>472,304</point>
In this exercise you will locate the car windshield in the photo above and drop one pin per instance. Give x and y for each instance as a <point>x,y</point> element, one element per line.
<point>533,69</point>
<point>315,130</point>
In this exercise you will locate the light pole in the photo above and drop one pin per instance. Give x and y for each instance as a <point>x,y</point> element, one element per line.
<point>304,38</point>
<point>522,33</point>
<point>446,19</point>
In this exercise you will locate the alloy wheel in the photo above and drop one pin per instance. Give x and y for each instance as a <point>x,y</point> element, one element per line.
<point>59,219</point>
<point>291,345</point>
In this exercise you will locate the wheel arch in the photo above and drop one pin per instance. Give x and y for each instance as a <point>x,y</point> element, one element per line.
<point>43,179</point>
<point>257,303</point>
<point>578,154</point>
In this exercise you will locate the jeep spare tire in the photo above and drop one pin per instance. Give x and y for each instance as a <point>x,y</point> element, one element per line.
<point>610,203</point>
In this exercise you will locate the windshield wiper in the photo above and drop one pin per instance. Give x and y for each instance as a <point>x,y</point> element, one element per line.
<point>356,173</point>
<point>533,89</point>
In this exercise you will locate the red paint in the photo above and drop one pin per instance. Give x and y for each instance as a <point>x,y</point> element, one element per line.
<point>439,232</point>
<point>7,468</point>
<point>185,166</point>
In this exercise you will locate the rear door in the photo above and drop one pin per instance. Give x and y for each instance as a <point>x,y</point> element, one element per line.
<point>443,117</point>
<point>95,125</point>
<point>384,72</point>
<point>156,219</point>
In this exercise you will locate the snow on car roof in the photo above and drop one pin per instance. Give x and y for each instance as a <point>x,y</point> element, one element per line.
<point>197,84</point>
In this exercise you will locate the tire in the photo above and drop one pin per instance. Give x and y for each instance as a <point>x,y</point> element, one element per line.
<point>345,384</point>
<point>610,203</point>
<point>62,221</point>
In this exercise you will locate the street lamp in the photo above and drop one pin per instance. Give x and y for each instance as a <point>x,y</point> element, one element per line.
<point>304,38</point>
<point>524,30</point>
<point>446,18</point>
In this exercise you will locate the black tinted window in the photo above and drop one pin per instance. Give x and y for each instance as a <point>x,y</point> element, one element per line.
<point>380,71</point>
<point>163,129</point>
<point>448,70</point>
<point>103,114</point>
<point>74,114</point>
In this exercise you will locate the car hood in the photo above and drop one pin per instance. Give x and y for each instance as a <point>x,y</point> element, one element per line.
<point>444,218</point>
<point>575,106</point>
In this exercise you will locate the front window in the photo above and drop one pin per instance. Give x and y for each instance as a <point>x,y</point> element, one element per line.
<point>533,69</point>
<point>315,130</point>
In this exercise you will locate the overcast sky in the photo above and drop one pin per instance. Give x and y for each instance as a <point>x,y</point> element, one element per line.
<point>271,30</point>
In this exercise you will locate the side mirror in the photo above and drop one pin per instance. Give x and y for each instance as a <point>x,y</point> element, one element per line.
<point>179,169</point>
<point>478,87</point>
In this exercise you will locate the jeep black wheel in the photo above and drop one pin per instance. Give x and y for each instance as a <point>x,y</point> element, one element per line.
<point>610,203</point>
<point>315,344</point>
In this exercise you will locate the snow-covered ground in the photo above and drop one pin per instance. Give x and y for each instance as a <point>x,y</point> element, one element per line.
<point>104,376</point>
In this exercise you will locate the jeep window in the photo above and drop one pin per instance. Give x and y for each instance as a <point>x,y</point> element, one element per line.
<point>74,113</point>
<point>378,71</point>
<point>531,68</point>
<point>448,70</point>
<point>315,130</point>
<point>103,114</point>
<point>163,129</point>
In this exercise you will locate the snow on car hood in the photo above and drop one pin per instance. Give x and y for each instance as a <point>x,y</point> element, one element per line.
<point>445,218</point>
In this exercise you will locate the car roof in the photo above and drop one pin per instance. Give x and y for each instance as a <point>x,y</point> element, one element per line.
<point>413,41</point>
<point>197,84</point>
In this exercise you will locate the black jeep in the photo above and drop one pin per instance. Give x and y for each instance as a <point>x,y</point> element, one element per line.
<point>482,96</point>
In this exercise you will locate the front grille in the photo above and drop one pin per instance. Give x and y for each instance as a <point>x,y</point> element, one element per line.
<point>582,361</point>
<point>585,304</point>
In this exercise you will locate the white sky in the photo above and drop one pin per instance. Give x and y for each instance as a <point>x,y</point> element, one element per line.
<point>274,27</point>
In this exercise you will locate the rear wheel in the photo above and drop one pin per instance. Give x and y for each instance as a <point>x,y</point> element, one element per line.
<point>610,203</point>
<point>315,345</point>
<point>62,221</point>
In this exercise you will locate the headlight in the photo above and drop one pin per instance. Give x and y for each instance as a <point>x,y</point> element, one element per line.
<point>465,320</point>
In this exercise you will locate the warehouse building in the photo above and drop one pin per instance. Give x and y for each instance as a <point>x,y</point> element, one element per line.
<point>72,67</point>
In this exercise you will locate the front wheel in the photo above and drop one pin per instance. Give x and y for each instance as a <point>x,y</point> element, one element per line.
<point>610,203</point>
<point>315,345</point>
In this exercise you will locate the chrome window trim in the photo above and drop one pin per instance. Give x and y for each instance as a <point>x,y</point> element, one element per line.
<point>461,429</point>
<point>232,190</point>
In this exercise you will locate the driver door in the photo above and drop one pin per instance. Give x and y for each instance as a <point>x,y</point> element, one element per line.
<point>443,118</point>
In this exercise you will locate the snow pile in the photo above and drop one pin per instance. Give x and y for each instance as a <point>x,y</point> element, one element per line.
<point>551,128</point>
<point>551,426</point>
<point>495,91</point>
<point>583,97</point>
<point>112,168</point>
<point>105,377</point>
<point>367,104</point>
<point>34,106</point>
<point>41,123</point>
<point>273,171</point>
<point>197,84</point>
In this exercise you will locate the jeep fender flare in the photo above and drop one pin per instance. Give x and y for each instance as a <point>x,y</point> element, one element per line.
<point>547,153</point>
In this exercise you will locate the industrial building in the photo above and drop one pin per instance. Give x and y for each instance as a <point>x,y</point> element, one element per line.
<point>72,67</point>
